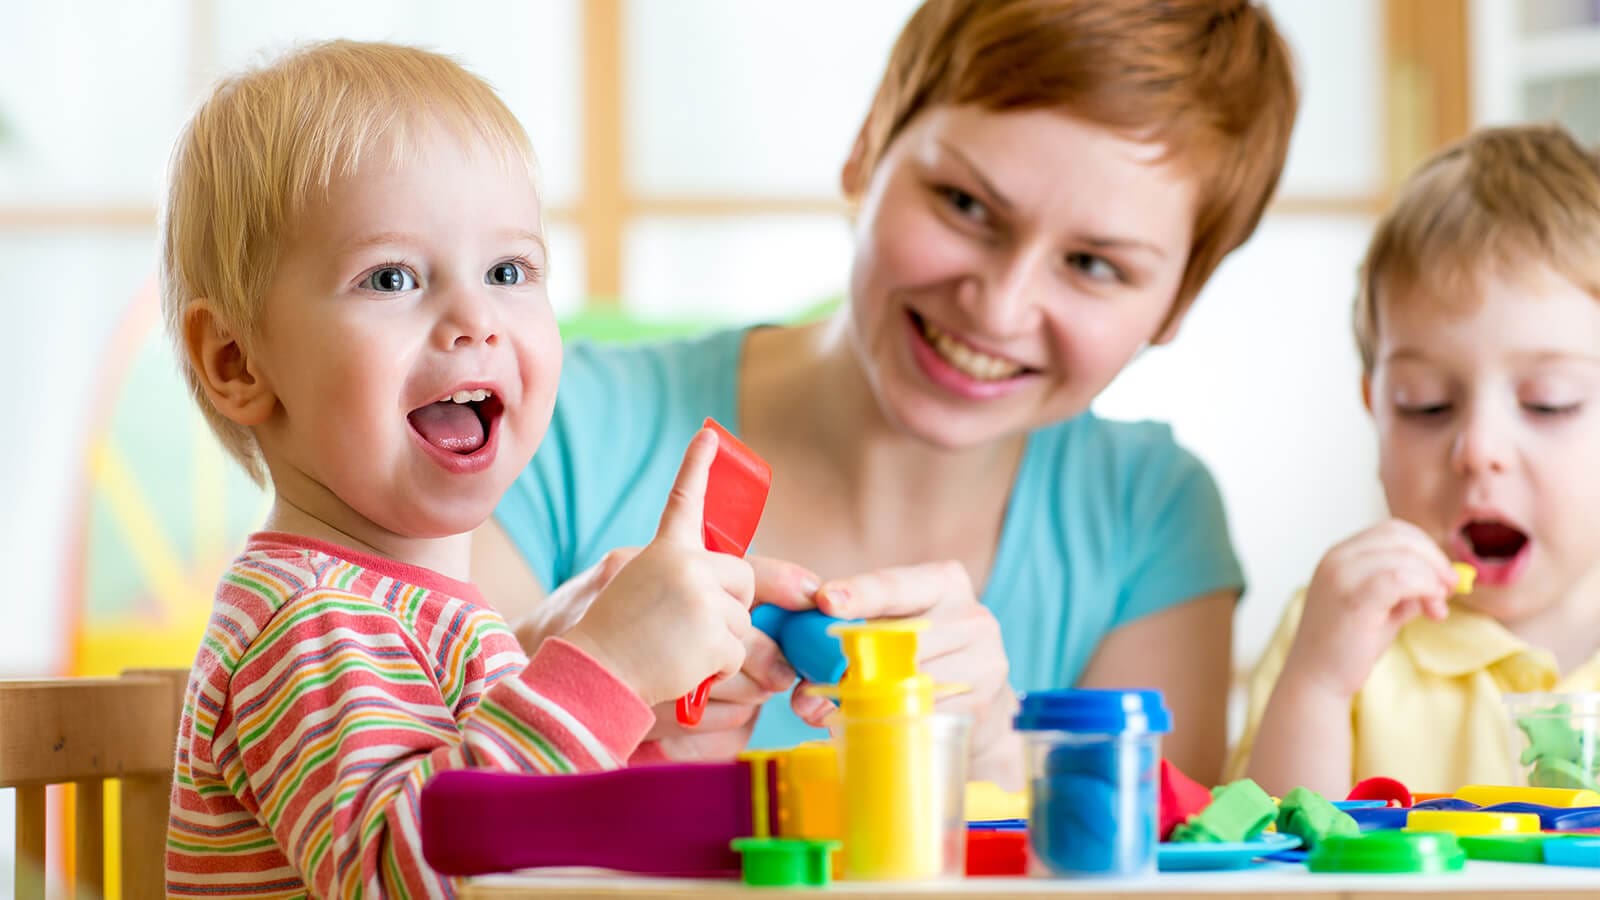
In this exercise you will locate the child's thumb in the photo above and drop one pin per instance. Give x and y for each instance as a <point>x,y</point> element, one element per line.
<point>683,519</point>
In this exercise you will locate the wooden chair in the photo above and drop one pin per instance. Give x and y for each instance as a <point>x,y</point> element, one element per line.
<point>84,731</point>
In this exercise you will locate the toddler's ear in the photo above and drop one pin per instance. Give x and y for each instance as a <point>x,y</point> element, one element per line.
<point>231,382</point>
<point>1366,392</point>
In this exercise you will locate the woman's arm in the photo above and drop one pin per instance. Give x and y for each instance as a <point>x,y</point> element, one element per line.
<point>1185,651</point>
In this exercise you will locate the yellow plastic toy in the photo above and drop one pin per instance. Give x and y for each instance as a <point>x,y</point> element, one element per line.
<point>1564,798</point>
<point>1463,823</point>
<point>987,801</point>
<point>894,797</point>
<point>808,805</point>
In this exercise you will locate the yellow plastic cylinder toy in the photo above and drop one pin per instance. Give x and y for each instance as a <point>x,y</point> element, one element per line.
<point>903,767</point>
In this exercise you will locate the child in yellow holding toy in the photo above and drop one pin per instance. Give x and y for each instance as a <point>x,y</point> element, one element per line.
<point>1478,323</point>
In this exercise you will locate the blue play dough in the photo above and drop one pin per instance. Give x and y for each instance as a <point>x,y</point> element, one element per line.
<point>804,639</point>
<point>1094,796</point>
<point>1085,823</point>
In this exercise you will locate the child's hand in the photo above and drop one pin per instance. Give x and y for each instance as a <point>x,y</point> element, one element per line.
<point>677,612</point>
<point>1363,591</point>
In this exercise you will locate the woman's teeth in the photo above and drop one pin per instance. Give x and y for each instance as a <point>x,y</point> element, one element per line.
<point>980,366</point>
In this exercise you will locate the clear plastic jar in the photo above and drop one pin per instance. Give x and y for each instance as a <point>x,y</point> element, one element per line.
<point>1093,780</point>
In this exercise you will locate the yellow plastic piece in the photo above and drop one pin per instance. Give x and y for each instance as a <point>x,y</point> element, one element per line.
<point>808,800</point>
<point>1492,794</point>
<point>881,677</point>
<point>892,829</point>
<point>987,801</point>
<point>1466,577</point>
<point>1459,822</point>
<point>759,813</point>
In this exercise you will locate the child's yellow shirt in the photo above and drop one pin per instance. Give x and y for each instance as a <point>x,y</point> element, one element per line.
<point>1430,713</point>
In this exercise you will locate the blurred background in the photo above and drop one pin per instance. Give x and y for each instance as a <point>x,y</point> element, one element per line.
<point>690,151</point>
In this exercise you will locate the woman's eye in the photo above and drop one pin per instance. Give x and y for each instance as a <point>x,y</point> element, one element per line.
<point>1096,267</point>
<point>390,280</point>
<point>505,273</point>
<point>965,205</point>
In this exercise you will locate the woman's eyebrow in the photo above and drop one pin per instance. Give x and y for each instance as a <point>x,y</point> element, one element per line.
<point>1003,203</point>
<point>996,197</point>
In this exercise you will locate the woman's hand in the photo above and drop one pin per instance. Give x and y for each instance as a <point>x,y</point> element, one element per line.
<point>961,646</point>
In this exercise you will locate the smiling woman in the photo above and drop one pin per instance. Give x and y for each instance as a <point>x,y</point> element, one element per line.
<point>1041,187</point>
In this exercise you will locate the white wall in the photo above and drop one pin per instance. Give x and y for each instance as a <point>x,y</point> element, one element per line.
<point>1263,384</point>
<point>724,96</point>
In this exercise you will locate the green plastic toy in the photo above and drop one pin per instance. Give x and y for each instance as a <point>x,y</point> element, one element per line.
<point>1238,812</point>
<point>1389,852</point>
<point>1310,816</point>
<point>1554,772</point>
<point>1561,756</point>
<point>786,862</point>
<point>1550,733</point>
<point>1516,848</point>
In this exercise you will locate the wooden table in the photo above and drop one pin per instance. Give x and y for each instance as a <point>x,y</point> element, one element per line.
<point>1484,879</point>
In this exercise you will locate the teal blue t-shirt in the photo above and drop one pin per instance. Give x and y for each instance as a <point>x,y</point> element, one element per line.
<point>1107,522</point>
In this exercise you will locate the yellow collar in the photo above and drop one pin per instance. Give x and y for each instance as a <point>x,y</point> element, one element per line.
<point>1467,642</point>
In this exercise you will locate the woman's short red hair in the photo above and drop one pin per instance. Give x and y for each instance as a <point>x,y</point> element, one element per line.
<point>1211,80</point>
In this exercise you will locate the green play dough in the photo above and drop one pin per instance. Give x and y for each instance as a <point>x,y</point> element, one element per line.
<point>1238,812</point>
<point>1310,816</point>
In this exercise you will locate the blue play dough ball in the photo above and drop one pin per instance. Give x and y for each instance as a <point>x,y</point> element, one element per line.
<point>1082,822</point>
<point>768,619</point>
<point>804,639</point>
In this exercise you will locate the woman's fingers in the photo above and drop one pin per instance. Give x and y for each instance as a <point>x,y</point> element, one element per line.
<point>927,590</point>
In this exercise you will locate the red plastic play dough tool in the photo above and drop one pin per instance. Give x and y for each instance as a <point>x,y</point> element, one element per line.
<point>1181,797</point>
<point>736,492</point>
<point>1386,789</point>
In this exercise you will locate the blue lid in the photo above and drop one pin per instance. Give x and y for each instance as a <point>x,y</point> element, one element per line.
<point>1094,712</point>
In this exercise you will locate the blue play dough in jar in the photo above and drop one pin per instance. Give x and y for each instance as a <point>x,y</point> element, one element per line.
<point>1093,776</point>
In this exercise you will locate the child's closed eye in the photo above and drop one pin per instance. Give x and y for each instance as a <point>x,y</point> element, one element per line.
<point>1553,409</point>
<point>1423,410</point>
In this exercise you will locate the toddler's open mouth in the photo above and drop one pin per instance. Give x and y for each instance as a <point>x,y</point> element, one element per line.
<point>459,429</point>
<point>1497,549</point>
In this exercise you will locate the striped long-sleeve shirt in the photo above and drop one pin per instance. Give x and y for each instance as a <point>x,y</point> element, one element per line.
<point>329,686</point>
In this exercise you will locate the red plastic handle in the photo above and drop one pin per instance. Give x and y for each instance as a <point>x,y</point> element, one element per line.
<point>736,492</point>
<point>692,707</point>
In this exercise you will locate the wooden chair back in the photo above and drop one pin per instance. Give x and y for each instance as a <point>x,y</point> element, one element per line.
<point>84,732</point>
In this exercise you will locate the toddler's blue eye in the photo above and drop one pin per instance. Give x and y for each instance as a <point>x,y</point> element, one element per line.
<point>390,280</point>
<point>505,274</point>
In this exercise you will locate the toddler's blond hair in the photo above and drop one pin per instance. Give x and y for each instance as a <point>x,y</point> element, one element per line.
<point>266,140</point>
